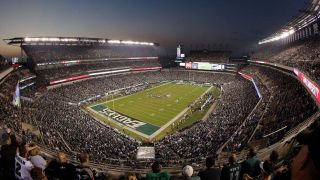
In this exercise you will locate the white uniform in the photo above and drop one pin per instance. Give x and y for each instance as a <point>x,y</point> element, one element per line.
<point>22,168</point>
<point>38,161</point>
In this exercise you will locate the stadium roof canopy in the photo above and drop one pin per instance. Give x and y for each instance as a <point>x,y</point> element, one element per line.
<point>307,16</point>
<point>73,40</point>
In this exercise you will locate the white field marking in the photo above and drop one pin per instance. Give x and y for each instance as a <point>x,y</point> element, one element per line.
<point>175,118</point>
<point>131,94</point>
<point>119,124</point>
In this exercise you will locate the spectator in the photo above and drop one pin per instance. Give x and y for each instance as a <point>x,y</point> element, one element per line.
<point>187,173</point>
<point>84,172</point>
<point>157,173</point>
<point>251,166</point>
<point>61,169</point>
<point>14,140</point>
<point>37,174</point>
<point>283,171</point>
<point>266,170</point>
<point>274,156</point>
<point>23,166</point>
<point>306,164</point>
<point>232,170</point>
<point>35,157</point>
<point>8,153</point>
<point>210,173</point>
<point>132,176</point>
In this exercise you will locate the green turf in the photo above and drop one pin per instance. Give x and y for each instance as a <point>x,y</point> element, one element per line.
<point>158,105</point>
<point>153,107</point>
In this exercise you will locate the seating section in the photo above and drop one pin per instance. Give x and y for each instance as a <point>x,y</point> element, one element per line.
<point>49,53</point>
<point>304,55</point>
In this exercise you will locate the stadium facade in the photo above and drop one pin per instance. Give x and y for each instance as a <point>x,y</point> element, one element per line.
<point>43,51</point>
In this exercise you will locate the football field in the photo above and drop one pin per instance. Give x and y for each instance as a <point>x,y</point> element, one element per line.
<point>148,112</point>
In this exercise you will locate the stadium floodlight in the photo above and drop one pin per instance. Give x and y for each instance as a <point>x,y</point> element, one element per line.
<point>31,39</point>
<point>137,43</point>
<point>68,40</point>
<point>129,42</point>
<point>43,39</point>
<point>278,37</point>
<point>284,35</point>
<point>291,31</point>
<point>114,41</point>
<point>27,39</point>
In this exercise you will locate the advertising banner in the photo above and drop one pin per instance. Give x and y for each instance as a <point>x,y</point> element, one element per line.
<point>188,65</point>
<point>194,65</point>
<point>204,66</point>
<point>246,76</point>
<point>312,86</point>
<point>217,67</point>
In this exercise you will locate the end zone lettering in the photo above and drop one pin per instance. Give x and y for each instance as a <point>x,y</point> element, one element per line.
<point>121,119</point>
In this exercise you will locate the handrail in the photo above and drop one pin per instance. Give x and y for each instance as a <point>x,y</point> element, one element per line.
<point>5,72</point>
<point>234,134</point>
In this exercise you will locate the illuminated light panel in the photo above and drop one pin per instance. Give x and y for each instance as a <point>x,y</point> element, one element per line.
<point>109,72</point>
<point>130,42</point>
<point>47,39</point>
<point>278,37</point>
<point>114,41</point>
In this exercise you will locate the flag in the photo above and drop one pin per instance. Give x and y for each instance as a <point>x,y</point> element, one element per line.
<point>16,96</point>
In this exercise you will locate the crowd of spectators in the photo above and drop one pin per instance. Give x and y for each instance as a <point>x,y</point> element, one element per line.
<point>64,71</point>
<point>64,127</point>
<point>304,55</point>
<point>3,64</point>
<point>207,136</point>
<point>284,105</point>
<point>239,140</point>
<point>289,105</point>
<point>49,53</point>
<point>22,160</point>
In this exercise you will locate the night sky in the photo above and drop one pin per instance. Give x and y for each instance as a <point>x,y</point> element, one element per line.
<point>240,23</point>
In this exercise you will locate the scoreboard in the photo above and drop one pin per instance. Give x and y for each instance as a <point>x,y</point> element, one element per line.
<point>203,66</point>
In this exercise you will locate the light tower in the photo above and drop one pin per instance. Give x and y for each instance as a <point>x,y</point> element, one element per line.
<point>179,52</point>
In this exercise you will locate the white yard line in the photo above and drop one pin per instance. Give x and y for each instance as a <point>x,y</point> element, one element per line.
<point>133,93</point>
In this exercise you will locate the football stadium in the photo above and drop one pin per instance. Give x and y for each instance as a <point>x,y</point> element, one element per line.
<point>74,107</point>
